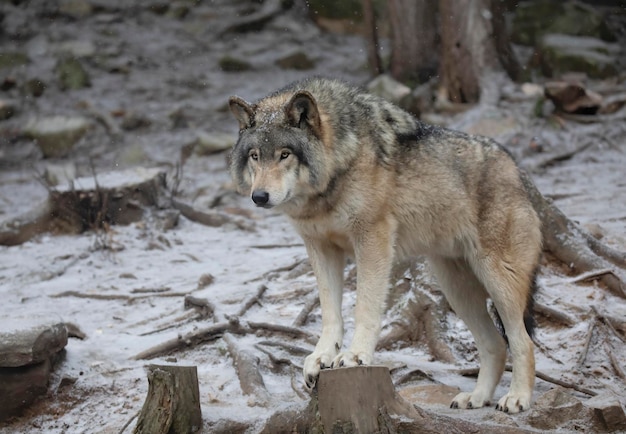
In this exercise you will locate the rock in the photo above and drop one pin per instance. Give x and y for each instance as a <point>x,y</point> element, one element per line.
<point>557,408</point>
<point>298,61</point>
<point>20,387</point>
<point>232,64</point>
<point>7,109</point>
<point>535,18</point>
<point>76,49</point>
<point>34,87</point>
<point>133,121</point>
<point>572,97</point>
<point>58,174</point>
<point>609,410</point>
<point>30,339</point>
<point>439,394</point>
<point>210,143</point>
<point>12,59</point>
<point>56,135</point>
<point>561,54</point>
<point>77,9</point>
<point>71,74</point>
<point>386,87</point>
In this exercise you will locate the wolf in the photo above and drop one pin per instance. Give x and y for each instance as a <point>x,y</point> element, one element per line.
<point>359,177</point>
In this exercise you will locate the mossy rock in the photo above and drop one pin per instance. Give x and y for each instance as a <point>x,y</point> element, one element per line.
<point>11,59</point>
<point>298,61</point>
<point>534,19</point>
<point>232,64</point>
<point>72,74</point>
<point>562,53</point>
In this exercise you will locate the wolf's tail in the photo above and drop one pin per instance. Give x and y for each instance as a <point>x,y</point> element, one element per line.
<point>529,319</point>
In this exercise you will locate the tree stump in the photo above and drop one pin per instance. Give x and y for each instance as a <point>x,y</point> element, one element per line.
<point>360,399</point>
<point>173,402</point>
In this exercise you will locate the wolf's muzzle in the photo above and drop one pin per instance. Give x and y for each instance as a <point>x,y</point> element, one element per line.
<point>260,197</point>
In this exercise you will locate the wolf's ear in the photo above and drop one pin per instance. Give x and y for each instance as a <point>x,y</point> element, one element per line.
<point>302,112</point>
<point>243,111</point>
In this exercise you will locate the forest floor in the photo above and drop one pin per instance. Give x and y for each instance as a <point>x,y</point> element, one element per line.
<point>131,280</point>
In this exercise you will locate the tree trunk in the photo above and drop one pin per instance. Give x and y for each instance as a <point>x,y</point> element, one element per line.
<point>371,38</point>
<point>463,43</point>
<point>414,50</point>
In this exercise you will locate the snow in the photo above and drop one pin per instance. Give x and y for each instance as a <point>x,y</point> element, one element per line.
<point>98,386</point>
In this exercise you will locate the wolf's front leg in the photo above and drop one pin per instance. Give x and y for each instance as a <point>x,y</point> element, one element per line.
<point>328,263</point>
<point>374,256</point>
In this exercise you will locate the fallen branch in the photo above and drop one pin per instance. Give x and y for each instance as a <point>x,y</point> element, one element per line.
<point>201,305</point>
<point>190,339</point>
<point>615,364</point>
<point>216,331</point>
<point>472,372</point>
<point>310,304</point>
<point>554,314</point>
<point>255,299</point>
<point>247,368</point>
<point>213,218</point>
<point>290,331</point>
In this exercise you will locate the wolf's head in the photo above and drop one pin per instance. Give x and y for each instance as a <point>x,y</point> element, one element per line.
<point>280,139</point>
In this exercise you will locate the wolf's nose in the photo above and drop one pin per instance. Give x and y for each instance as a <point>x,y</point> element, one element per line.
<point>260,197</point>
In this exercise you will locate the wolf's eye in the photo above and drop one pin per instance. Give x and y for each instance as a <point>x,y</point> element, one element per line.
<point>284,154</point>
<point>254,155</point>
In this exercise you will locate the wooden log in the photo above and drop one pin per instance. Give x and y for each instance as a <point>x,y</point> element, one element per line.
<point>173,402</point>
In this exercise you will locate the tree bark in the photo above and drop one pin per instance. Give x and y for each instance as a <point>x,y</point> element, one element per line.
<point>371,38</point>
<point>414,52</point>
<point>173,402</point>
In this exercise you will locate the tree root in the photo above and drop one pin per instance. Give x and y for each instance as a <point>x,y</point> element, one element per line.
<point>571,244</point>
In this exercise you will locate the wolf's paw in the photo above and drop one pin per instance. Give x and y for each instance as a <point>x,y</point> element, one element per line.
<point>470,400</point>
<point>348,358</point>
<point>514,402</point>
<point>313,364</point>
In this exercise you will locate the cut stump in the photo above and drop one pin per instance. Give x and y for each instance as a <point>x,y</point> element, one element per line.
<point>173,402</point>
<point>359,399</point>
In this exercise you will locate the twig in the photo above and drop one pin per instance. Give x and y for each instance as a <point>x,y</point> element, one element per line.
<point>181,320</point>
<point>615,364</point>
<point>276,246</point>
<point>471,372</point>
<point>614,256</point>
<point>589,275</point>
<point>114,296</point>
<point>297,386</point>
<point>150,290</point>
<point>290,331</point>
<point>132,418</point>
<point>255,299</point>
<point>310,304</point>
<point>585,351</point>
<point>297,351</point>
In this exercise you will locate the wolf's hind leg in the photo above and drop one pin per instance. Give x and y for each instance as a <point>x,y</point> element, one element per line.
<point>328,264</point>
<point>509,289</point>
<point>468,298</point>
